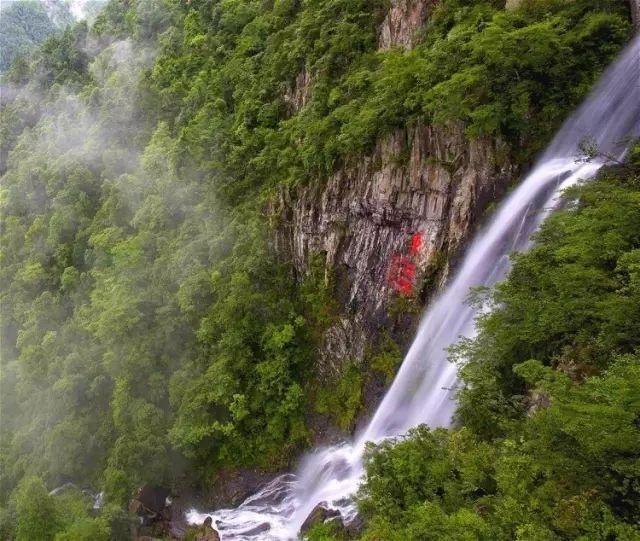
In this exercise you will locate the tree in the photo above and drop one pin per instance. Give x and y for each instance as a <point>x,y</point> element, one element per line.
<point>36,511</point>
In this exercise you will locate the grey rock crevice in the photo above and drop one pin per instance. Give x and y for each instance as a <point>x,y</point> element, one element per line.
<point>430,181</point>
<point>635,14</point>
<point>404,21</point>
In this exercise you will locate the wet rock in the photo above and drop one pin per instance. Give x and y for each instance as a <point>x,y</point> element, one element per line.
<point>206,531</point>
<point>151,500</point>
<point>354,528</point>
<point>181,503</point>
<point>150,506</point>
<point>230,488</point>
<point>324,429</point>
<point>319,515</point>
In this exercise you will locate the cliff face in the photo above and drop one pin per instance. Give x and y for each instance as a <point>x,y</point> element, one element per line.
<point>401,27</point>
<point>389,224</point>
<point>635,14</point>
<point>297,95</point>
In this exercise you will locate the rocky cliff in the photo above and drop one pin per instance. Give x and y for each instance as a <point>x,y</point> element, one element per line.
<point>404,21</point>
<point>389,224</point>
<point>635,13</point>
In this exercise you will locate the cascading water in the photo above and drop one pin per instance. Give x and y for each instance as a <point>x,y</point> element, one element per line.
<point>421,391</point>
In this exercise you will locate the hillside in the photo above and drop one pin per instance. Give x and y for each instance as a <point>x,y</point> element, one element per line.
<point>223,219</point>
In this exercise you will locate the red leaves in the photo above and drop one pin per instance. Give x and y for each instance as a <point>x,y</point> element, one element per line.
<point>402,269</point>
<point>415,244</point>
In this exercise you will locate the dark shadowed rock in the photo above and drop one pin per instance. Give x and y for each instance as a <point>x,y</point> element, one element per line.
<point>150,507</point>
<point>354,528</point>
<point>635,13</point>
<point>319,515</point>
<point>153,499</point>
<point>231,488</point>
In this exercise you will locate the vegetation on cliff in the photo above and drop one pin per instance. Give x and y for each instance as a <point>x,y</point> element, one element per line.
<point>149,331</point>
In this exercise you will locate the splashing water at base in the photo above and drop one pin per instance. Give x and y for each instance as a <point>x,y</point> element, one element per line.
<point>421,392</point>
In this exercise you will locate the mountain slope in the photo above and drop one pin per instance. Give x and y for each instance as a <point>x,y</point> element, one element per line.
<point>220,220</point>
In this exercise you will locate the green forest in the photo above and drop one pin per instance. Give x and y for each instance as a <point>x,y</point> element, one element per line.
<point>28,23</point>
<point>151,334</point>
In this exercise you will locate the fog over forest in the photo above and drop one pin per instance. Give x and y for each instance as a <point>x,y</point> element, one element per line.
<point>205,206</point>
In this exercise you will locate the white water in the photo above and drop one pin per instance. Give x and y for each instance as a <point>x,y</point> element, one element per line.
<point>421,391</point>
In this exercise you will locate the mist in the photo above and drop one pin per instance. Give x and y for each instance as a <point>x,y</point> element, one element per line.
<point>107,244</point>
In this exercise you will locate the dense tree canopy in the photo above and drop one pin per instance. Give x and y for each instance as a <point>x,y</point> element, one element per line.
<point>25,24</point>
<point>150,333</point>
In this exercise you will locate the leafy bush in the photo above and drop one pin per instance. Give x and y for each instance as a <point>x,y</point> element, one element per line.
<point>568,472</point>
<point>36,511</point>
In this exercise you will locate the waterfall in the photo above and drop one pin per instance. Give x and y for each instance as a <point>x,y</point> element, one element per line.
<point>422,390</point>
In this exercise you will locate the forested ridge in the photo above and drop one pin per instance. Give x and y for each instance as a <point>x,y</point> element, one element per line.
<point>151,334</point>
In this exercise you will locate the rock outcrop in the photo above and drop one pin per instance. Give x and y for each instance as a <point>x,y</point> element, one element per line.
<point>389,224</point>
<point>402,24</point>
<point>320,514</point>
<point>635,14</point>
<point>298,94</point>
<point>231,487</point>
<point>537,400</point>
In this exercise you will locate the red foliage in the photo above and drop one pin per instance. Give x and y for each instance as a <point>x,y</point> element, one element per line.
<point>402,270</point>
<point>416,243</point>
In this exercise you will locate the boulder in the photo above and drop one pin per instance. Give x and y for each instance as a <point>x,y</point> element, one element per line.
<point>153,499</point>
<point>150,507</point>
<point>354,528</point>
<point>207,532</point>
<point>320,514</point>
<point>232,487</point>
